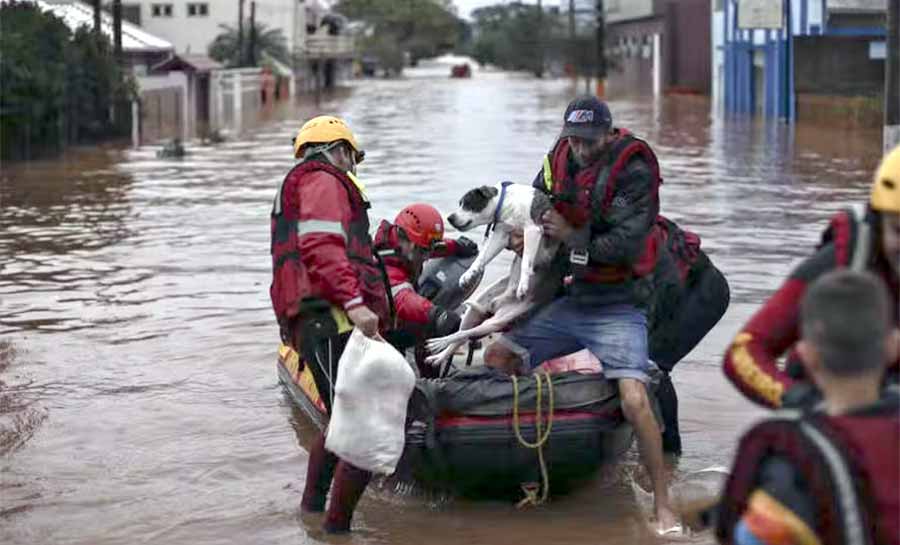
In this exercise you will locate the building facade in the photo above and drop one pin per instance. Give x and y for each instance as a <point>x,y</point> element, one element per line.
<point>799,59</point>
<point>658,46</point>
<point>321,50</point>
<point>191,26</point>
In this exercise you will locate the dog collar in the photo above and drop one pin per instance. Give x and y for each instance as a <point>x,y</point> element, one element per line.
<point>493,223</point>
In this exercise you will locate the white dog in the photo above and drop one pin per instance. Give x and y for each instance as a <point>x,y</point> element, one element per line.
<point>502,208</point>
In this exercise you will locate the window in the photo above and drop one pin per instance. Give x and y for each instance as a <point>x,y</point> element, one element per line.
<point>161,10</point>
<point>198,9</point>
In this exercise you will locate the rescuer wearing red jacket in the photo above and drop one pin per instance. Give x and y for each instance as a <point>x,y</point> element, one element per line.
<point>325,276</point>
<point>417,234</point>
<point>861,238</point>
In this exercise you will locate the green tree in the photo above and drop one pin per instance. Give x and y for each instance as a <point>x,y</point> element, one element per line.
<point>516,36</point>
<point>55,87</point>
<point>32,79</point>
<point>224,48</point>
<point>424,28</point>
<point>94,81</point>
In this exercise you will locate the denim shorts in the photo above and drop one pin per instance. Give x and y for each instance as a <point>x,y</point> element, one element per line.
<point>616,333</point>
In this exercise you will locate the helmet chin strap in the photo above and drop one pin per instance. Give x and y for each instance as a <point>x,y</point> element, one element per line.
<point>325,150</point>
<point>327,153</point>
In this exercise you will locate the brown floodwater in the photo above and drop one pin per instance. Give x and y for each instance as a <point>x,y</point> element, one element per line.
<point>139,401</point>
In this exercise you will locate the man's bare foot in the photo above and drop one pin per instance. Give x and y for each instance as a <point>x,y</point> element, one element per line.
<point>665,520</point>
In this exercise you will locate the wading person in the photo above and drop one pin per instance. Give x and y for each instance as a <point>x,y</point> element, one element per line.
<point>325,280</point>
<point>604,183</point>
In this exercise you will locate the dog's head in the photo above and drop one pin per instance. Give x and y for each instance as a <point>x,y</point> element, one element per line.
<point>475,208</point>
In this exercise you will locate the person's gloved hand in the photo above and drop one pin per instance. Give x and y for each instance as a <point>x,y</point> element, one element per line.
<point>466,247</point>
<point>802,395</point>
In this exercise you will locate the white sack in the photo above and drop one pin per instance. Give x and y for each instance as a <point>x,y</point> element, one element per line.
<point>368,419</point>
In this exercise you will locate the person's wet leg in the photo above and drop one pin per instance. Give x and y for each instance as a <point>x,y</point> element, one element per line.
<point>349,484</point>
<point>319,472</point>
<point>636,407</point>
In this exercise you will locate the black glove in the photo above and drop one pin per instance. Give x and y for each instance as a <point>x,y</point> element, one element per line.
<point>802,395</point>
<point>442,322</point>
<point>466,248</point>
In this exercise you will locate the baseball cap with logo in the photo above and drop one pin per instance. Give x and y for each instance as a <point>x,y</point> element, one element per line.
<point>586,117</point>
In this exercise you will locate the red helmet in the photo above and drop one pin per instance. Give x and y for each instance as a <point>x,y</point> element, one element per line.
<point>422,224</point>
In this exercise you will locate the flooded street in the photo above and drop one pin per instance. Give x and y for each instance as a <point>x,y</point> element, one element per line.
<point>139,400</point>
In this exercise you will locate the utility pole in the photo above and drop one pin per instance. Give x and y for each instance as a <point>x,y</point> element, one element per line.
<point>573,48</point>
<point>892,77</point>
<point>98,28</point>
<point>251,53</point>
<point>240,36</point>
<point>119,111</point>
<point>601,50</point>
<point>98,39</point>
<point>539,72</point>
<point>117,30</point>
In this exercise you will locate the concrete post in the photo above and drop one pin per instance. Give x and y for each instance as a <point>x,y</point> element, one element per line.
<point>186,113</point>
<point>238,86</point>
<point>714,69</point>
<point>219,86</point>
<point>135,124</point>
<point>657,66</point>
<point>600,44</point>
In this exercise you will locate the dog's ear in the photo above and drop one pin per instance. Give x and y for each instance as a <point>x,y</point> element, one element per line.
<point>489,192</point>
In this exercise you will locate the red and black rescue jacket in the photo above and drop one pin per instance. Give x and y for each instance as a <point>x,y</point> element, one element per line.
<point>612,203</point>
<point>409,306</point>
<point>818,478</point>
<point>751,361</point>
<point>321,247</point>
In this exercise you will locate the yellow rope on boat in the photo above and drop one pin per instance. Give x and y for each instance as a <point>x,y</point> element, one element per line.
<point>531,489</point>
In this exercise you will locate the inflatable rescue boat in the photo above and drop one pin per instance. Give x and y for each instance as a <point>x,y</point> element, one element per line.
<point>479,433</point>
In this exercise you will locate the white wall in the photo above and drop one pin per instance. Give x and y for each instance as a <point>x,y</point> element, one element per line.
<point>167,81</point>
<point>194,34</point>
<point>717,39</point>
<point>284,14</point>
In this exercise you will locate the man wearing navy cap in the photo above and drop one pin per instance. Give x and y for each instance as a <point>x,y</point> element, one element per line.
<point>604,183</point>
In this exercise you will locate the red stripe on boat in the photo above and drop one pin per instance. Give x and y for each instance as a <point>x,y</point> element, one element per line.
<point>452,421</point>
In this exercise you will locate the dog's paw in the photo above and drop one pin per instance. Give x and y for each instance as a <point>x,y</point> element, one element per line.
<point>436,345</point>
<point>439,359</point>
<point>522,290</point>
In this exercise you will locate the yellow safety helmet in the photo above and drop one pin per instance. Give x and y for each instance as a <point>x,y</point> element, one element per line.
<point>886,186</point>
<point>325,129</point>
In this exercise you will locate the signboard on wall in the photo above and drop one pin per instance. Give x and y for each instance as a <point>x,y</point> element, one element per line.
<point>760,13</point>
<point>618,11</point>
<point>857,6</point>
